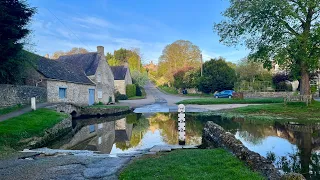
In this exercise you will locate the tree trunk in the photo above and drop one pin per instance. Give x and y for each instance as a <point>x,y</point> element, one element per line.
<point>305,82</point>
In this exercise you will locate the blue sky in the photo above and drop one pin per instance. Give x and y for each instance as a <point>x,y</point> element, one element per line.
<point>148,25</point>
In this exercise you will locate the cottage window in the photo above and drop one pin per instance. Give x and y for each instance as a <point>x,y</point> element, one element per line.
<point>62,93</point>
<point>100,94</point>
<point>99,78</point>
<point>92,128</point>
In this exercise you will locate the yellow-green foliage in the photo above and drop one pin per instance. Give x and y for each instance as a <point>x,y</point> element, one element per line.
<point>131,90</point>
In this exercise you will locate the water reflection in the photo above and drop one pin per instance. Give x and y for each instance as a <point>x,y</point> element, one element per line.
<point>292,146</point>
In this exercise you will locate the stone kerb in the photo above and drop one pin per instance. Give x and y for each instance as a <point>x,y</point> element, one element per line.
<point>215,136</point>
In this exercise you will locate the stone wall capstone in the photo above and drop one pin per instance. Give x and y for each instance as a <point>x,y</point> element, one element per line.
<point>215,136</point>
<point>266,94</point>
<point>11,95</point>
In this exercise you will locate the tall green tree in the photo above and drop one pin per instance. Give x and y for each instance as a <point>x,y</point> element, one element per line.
<point>217,76</point>
<point>178,55</point>
<point>15,15</point>
<point>286,31</point>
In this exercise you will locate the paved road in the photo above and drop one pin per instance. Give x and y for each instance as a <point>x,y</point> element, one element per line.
<point>157,101</point>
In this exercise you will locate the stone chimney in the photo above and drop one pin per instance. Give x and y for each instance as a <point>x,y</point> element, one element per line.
<point>47,56</point>
<point>100,50</point>
<point>126,64</point>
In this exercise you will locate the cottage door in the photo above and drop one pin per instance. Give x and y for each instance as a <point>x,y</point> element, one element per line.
<point>91,97</point>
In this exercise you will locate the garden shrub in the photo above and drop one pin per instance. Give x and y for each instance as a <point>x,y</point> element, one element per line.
<point>131,90</point>
<point>119,96</point>
<point>138,90</point>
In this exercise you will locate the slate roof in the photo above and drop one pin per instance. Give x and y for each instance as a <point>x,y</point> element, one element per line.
<point>53,69</point>
<point>88,62</point>
<point>119,72</point>
<point>121,136</point>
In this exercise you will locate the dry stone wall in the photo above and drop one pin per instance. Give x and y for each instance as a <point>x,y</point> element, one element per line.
<point>266,94</point>
<point>15,94</point>
<point>215,136</point>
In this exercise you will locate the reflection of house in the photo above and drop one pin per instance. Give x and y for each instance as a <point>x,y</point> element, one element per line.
<point>122,78</point>
<point>95,137</point>
<point>123,131</point>
<point>81,78</point>
<point>95,66</point>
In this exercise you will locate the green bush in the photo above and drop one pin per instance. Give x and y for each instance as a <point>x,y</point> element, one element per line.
<point>138,90</point>
<point>131,90</point>
<point>119,96</point>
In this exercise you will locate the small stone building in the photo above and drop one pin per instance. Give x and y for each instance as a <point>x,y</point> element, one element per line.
<point>96,68</point>
<point>122,78</point>
<point>82,79</point>
<point>64,83</point>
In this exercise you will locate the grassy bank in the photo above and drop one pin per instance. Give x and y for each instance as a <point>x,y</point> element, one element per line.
<point>10,109</point>
<point>28,125</point>
<point>189,164</point>
<point>298,111</point>
<point>206,101</point>
<point>169,90</point>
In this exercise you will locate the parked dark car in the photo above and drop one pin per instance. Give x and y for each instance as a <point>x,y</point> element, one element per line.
<point>224,94</point>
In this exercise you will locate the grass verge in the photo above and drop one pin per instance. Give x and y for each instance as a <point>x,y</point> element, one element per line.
<point>10,109</point>
<point>206,101</point>
<point>169,90</point>
<point>189,164</point>
<point>28,125</point>
<point>298,111</point>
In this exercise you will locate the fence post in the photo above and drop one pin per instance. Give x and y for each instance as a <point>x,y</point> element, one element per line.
<point>182,124</point>
<point>33,103</point>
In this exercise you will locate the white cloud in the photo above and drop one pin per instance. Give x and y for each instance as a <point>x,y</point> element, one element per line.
<point>94,21</point>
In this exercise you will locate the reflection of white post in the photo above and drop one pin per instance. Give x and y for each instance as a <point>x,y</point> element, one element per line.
<point>33,103</point>
<point>182,124</point>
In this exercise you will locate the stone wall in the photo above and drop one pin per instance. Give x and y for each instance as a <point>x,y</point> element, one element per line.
<point>266,94</point>
<point>215,136</point>
<point>106,84</point>
<point>76,93</point>
<point>60,129</point>
<point>94,111</point>
<point>120,86</point>
<point>13,94</point>
<point>128,77</point>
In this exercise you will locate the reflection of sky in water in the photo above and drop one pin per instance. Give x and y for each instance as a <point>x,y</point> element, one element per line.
<point>149,140</point>
<point>277,145</point>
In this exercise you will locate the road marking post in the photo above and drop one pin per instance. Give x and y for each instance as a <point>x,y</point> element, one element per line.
<point>182,124</point>
<point>33,103</point>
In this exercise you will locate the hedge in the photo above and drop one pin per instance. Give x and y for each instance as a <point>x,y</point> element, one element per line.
<point>131,90</point>
<point>138,90</point>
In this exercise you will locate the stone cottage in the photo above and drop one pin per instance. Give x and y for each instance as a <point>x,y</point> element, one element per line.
<point>64,83</point>
<point>122,78</point>
<point>82,79</point>
<point>96,68</point>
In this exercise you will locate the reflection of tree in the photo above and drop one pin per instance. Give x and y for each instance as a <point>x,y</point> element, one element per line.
<point>295,163</point>
<point>167,123</point>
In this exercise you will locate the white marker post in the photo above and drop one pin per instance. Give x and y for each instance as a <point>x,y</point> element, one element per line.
<point>182,124</point>
<point>33,103</point>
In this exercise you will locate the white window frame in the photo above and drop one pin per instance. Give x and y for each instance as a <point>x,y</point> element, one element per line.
<point>98,77</point>
<point>99,94</point>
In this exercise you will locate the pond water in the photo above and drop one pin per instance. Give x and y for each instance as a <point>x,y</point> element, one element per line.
<point>294,147</point>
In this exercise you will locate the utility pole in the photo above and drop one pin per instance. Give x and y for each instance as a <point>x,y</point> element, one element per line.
<point>201,64</point>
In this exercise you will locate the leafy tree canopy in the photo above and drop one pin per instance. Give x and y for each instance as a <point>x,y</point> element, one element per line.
<point>217,76</point>
<point>286,31</point>
<point>176,56</point>
<point>14,18</point>
<point>75,50</point>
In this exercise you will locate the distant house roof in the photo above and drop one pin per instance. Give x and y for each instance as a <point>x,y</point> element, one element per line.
<point>119,72</point>
<point>88,62</point>
<point>53,69</point>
